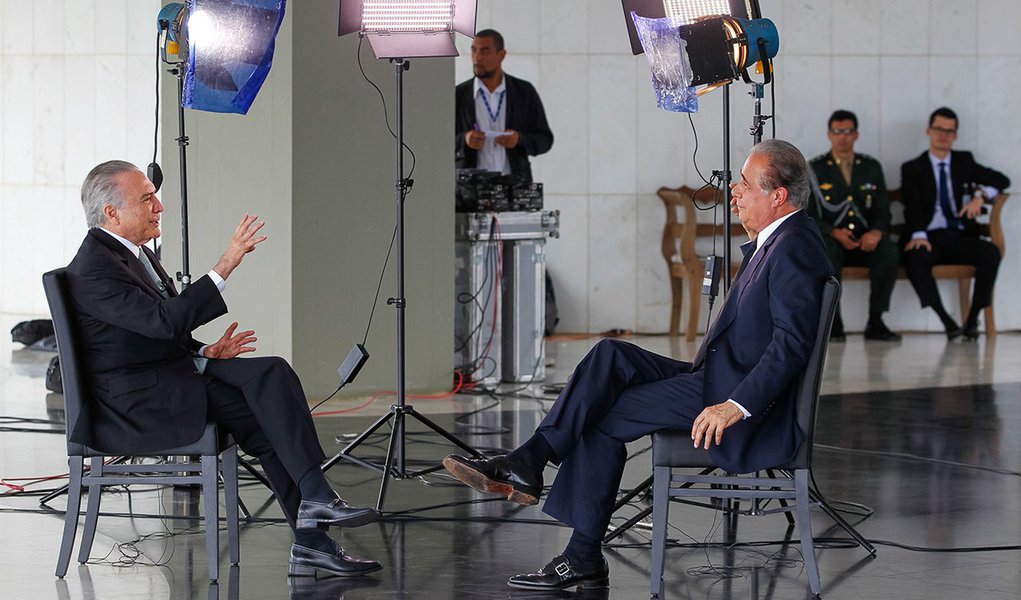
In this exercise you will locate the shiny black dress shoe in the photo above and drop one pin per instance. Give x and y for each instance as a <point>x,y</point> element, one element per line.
<point>837,335</point>
<point>306,562</point>
<point>517,483</point>
<point>313,514</point>
<point>558,574</point>
<point>880,332</point>
<point>954,333</point>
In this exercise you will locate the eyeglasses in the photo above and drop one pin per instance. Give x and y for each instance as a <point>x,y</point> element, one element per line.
<point>842,131</point>
<point>944,131</point>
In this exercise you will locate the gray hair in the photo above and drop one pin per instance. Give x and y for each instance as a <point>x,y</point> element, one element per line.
<point>786,168</point>
<point>101,188</point>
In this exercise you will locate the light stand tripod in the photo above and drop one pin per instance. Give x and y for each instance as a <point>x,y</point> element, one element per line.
<point>395,463</point>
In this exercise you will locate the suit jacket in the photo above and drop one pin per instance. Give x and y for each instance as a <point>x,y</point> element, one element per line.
<point>136,348</point>
<point>918,188</point>
<point>524,115</point>
<point>761,340</point>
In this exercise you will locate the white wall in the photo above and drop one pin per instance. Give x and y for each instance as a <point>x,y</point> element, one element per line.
<point>890,62</point>
<point>76,88</point>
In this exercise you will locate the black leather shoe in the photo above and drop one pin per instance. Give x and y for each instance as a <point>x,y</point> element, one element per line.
<point>306,562</point>
<point>954,333</point>
<point>517,483</point>
<point>335,512</point>
<point>558,574</point>
<point>881,332</point>
<point>837,335</point>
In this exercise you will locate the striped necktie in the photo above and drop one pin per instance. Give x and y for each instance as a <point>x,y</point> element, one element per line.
<point>151,270</point>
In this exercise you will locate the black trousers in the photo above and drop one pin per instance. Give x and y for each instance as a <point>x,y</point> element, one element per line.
<point>618,393</point>
<point>260,401</point>
<point>952,248</point>
<point>882,263</point>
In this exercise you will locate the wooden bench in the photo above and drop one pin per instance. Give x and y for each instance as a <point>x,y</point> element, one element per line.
<point>962,273</point>
<point>685,265</point>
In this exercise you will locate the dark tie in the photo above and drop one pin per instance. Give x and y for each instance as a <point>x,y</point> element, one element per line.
<point>946,204</point>
<point>749,251</point>
<point>147,265</point>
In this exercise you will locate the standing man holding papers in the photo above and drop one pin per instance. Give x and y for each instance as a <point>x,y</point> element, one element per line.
<point>499,119</point>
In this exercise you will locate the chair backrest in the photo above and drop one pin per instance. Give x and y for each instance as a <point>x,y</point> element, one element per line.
<point>59,299</point>
<point>807,386</point>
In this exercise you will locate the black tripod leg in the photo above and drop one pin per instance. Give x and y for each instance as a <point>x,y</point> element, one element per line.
<point>443,432</point>
<point>256,474</point>
<point>833,514</point>
<point>384,481</point>
<point>346,452</point>
<point>627,525</point>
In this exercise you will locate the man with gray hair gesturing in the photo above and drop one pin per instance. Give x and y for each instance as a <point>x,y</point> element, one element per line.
<point>734,396</point>
<point>153,386</point>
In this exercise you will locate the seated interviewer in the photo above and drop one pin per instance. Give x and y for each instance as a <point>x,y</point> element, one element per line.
<point>734,397</point>
<point>153,386</point>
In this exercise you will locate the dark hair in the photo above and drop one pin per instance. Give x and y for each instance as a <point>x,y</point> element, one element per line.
<point>786,168</point>
<point>492,33</point>
<point>944,112</point>
<point>842,115</point>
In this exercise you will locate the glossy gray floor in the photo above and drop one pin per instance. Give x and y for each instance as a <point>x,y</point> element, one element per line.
<point>925,433</point>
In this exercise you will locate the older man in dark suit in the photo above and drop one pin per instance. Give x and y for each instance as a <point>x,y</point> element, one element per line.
<point>734,396</point>
<point>153,386</point>
<point>943,191</point>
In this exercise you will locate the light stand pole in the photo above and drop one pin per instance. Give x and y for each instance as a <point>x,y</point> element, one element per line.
<point>726,178</point>
<point>184,276</point>
<point>395,464</point>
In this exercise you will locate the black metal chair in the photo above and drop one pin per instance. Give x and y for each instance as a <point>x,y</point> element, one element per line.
<point>217,451</point>
<point>672,449</point>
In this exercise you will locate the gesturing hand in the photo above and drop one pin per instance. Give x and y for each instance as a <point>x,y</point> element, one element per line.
<point>711,422</point>
<point>230,345</point>
<point>241,243</point>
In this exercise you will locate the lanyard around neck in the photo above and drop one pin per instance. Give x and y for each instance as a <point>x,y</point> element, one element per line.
<point>489,109</point>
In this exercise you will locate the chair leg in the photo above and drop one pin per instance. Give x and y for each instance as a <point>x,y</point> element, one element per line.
<point>74,506</point>
<point>805,530</point>
<point>229,470</point>
<point>964,290</point>
<point>990,321</point>
<point>92,510</point>
<point>676,299</point>
<point>211,501</point>
<point>660,515</point>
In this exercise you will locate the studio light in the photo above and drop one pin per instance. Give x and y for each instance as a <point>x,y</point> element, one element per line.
<point>696,46</point>
<point>398,30</point>
<point>408,28</point>
<point>225,46</point>
<point>720,49</point>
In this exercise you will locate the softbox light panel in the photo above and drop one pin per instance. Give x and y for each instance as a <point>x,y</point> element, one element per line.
<point>230,52</point>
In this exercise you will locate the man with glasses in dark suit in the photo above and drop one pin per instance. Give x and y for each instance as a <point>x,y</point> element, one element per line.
<point>944,190</point>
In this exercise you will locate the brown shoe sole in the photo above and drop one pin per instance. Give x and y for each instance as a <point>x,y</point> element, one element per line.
<point>480,482</point>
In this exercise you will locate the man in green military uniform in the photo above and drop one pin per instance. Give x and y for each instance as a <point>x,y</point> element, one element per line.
<point>853,212</point>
